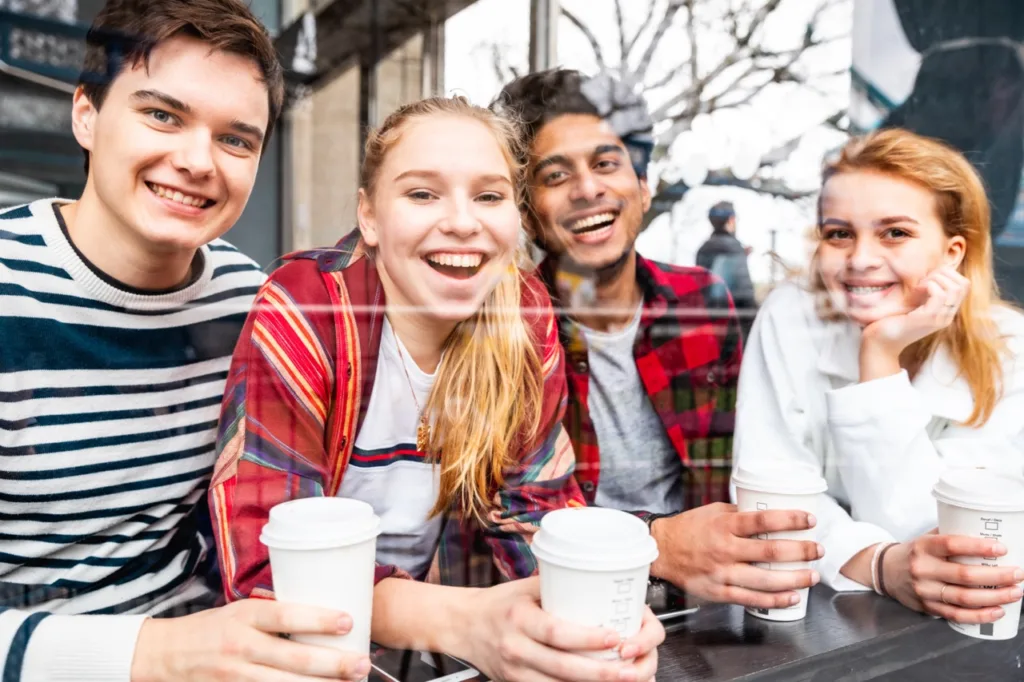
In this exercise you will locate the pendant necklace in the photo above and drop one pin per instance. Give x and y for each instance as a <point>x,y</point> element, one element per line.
<point>423,428</point>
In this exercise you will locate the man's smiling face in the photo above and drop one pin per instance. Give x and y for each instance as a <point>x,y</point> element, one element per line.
<point>174,148</point>
<point>587,200</point>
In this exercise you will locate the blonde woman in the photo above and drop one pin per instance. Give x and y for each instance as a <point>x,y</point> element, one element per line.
<point>416,367</point>
<point>898,362</point>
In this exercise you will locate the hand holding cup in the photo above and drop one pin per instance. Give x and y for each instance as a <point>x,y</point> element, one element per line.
<point>515,639</point>
<point>240,642</point>
<point>716,553</point>
<point>922,576</point>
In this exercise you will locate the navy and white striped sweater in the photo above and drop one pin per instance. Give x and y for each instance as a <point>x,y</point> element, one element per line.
<point>108,410</point>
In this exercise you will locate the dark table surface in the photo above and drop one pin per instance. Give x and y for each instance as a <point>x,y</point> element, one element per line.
<point>846,637</point>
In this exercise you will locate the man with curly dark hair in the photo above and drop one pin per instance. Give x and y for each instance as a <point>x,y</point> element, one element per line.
<point>652,365</point>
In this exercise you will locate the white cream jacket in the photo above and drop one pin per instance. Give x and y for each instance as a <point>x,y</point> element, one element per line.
<point>882,444</point>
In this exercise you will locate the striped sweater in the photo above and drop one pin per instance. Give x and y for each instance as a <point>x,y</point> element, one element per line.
<point>108,411</point>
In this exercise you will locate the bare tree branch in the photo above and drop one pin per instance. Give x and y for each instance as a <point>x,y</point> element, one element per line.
<point>503,70</point>
<point>639,31</point>
<point>589,35</point>
<point>691,34</point>
<point>667,78</point>
<point>762,14</point>
<point>623,65</point>
<point>745,50</point>
<point>666,21</point>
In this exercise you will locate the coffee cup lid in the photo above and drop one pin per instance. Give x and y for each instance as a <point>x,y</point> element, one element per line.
<point>594,539</point>
<point>789,479</point>
<point>981,489</point>
<point>320,523</point>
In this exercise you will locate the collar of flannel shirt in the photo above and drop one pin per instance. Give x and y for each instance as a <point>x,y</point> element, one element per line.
<point>688,358</point>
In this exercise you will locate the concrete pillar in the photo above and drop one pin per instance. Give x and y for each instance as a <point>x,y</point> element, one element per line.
<point>433,58</point>
<point>544,34</point>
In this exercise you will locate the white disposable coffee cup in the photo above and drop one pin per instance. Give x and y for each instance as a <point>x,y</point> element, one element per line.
<point>322,552</point>
<point>594,565</point>
<point>985,503</point>
<point>783,488</point>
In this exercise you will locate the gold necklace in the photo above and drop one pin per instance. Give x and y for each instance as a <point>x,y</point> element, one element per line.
<point>423,428</point>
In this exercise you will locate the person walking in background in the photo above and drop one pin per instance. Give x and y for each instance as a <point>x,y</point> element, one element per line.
<point>897,362</point>
<point>723,255</point>
<point>652,366</point>
<point>416,367</point>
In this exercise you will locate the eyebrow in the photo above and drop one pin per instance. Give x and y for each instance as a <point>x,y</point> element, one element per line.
<point>244,128</point>
<point>172,102</point>
<point>563,160</point>
<point>889,220</point>
<point>895,219</point>
<point>435,175</point>
<point>240,127</point>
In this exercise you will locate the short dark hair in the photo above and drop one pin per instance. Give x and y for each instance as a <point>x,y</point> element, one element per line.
<point>720,215</point>
<point>536,99</point>
<point>125,32</point>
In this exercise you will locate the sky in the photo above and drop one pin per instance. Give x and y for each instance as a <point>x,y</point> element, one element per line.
<point>780,113</point>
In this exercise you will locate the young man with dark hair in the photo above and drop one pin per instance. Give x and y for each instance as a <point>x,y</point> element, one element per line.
<point>652,368</point>
<point>724,256</point>
<point>118,314</point>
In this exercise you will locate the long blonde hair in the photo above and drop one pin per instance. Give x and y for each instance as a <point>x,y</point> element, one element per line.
<point>973,338</point>
<point>486,401</point>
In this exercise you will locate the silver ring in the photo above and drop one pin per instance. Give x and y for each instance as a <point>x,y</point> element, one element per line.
<point>942,594</point>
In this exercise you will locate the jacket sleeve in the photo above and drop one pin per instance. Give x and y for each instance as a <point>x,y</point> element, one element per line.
<point>543,479</point>
<point>891,455</point>
<point>773,429</point>
<point>271,440</point>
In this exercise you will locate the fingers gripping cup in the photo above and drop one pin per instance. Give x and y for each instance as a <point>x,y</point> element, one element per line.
<point>781,488</point>
<point>988,504</point>
<point>322,552</point>
<point>594,565</point>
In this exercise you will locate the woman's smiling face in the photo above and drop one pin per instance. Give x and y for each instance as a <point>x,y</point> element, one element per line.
<point>880,236</point>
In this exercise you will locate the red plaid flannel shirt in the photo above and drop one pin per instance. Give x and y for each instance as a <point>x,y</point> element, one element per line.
<point>297,393</point>
<point>688,356</point>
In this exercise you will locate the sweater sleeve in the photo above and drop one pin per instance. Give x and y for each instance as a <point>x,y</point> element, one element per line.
<point>42,647</point>
<point>272,442</point>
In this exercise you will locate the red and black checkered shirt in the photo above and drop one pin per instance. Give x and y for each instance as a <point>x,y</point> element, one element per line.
<point>688,357</point>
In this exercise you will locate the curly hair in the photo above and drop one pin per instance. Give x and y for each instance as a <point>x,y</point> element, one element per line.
<point>538,98</point>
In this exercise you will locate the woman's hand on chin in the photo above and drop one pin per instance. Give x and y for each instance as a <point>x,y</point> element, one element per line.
<point>513,639</point>
<point>939,297</point>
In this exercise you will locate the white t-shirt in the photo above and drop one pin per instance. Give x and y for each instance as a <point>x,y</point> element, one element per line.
<point>386,471</point>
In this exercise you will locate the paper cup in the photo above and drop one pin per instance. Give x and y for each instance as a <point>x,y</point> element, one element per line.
<point>985,504</point>
<point>594,565</point>
<point>785,488</point>
<point>322,552</point>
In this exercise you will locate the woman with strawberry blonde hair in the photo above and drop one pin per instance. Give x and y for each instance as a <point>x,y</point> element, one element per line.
<point>898,362</point>
<point>416,367</point>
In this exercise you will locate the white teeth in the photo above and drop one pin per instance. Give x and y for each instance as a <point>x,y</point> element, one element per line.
<point>178,197</point>
<point>867,290</point>
<point>456,260</point>
<point>593,220</point>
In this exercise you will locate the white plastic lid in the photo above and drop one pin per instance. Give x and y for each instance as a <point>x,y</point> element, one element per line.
<point>320,523</point>
<point>789,479</point>
<point>981,489</point>
<point>594,539</point>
